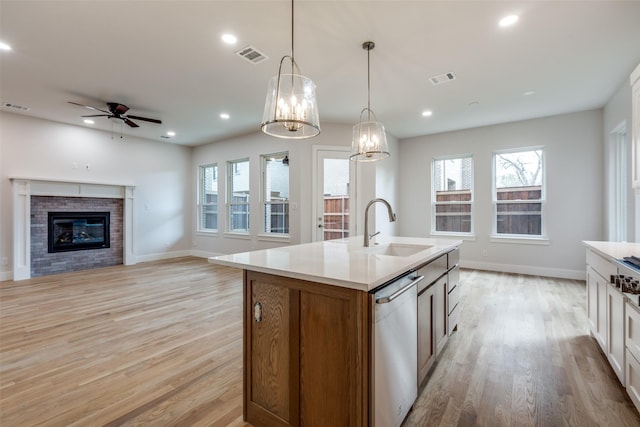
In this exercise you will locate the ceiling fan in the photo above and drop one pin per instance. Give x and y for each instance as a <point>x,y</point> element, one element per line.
<point>117,111</point>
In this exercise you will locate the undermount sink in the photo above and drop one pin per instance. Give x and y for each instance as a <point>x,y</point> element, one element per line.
<point>396,249</point>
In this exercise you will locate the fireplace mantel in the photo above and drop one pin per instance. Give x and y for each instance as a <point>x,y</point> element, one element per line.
<point>25,187</point>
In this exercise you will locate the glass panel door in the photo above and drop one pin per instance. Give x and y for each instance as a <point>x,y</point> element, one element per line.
<point>333,194</point>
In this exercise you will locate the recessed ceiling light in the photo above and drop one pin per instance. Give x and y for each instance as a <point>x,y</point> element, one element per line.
<point>89,121</point>
<point>171,133</point>
<point>427,113</point>
<point>224,116</point>
<point>474,103</point>
<point>508,20</point>
<point>4,46</point>
<point>529,92</point>
<point>229,38</point>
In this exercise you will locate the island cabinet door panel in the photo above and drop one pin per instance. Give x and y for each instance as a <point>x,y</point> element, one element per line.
<point>306,353</point>
<point>440,314</point>
<point>331,366</point>
<point>268,391</point>
<point>426,338</point>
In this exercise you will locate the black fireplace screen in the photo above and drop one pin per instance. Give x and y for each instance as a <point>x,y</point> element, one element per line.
<point>72,231</point>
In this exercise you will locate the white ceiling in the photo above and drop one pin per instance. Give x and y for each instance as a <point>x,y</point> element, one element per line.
<point>166,60</point>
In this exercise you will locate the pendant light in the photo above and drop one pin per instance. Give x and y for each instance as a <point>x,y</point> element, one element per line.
<point>369,138</point>
<point>291,109</point>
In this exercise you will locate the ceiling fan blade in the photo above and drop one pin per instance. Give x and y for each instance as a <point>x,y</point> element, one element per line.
<point>97,115</point>
<point>146,119</point>
<point>86,106</point>
<point>117,109</point>
<point>130,123</point>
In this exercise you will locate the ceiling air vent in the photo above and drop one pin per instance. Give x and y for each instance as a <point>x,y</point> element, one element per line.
<point>442,78</point>
<point>252,55</point>
<point>16,107</point>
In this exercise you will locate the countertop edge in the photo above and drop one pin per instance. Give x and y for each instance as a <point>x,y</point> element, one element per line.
<point>412,264</point>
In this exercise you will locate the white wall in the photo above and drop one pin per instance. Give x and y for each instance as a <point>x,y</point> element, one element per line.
<point>161,173</point>
<point>301,186</point>
<point>616,112</point>
<point>574,171</point>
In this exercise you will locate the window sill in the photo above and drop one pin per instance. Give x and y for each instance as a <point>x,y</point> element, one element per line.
<point>522,240</point>
<point>237,235</point>
<point>284,238</point>
<point>468,237</point>
<point>207,233</point>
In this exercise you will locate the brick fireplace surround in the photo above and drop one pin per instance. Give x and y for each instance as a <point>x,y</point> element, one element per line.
<point>44,263</point>
<point>33,198</point>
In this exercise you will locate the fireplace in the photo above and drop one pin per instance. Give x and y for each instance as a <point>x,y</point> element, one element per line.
<point>73,231</point>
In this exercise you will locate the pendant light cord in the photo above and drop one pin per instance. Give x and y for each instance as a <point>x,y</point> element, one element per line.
<point>369,83</point>
<point>292,58</point>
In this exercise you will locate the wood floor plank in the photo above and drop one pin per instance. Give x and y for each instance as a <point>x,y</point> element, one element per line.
<point>160,344</point>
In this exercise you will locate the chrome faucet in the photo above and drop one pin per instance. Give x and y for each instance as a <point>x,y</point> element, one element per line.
<point>392,218</point>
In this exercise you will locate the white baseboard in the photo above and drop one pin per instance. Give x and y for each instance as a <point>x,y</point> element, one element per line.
<point>559,273</point>
<point>204,254</point>
<point>6,275</point>
<point>161,256</point>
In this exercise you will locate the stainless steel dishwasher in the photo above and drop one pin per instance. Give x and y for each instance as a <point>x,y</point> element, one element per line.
<point>395,364</point>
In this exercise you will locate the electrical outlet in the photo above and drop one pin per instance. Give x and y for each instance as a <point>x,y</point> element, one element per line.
<point>485,253</point>
<point>4,261</point>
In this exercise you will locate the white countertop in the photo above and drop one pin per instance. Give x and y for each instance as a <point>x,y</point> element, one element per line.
<point>614,250</point>
<point>346,263</point>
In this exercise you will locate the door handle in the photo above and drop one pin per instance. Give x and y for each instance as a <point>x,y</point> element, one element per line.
<point>399,292</point>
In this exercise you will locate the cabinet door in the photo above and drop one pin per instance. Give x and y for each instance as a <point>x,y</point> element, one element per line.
<point>632,330</point>
<point>601,335</point>
<point>268,380</point>
<point>332,350</point>
<point>426,337</point>
<point>592,300</point>
<point>633,379</point>
<point>440,313</point>
<point>615,331</point>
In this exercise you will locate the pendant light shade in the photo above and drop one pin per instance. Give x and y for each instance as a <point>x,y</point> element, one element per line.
<point>291,109</point>
<point>369,137</point>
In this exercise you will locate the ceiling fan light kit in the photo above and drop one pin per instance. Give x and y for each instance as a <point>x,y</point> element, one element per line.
<point>369,141</point>
<point>291,108</point>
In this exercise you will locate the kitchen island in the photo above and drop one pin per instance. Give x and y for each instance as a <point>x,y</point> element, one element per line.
<point>308,325</point>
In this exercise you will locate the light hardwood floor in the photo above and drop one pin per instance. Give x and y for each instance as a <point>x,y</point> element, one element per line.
<point>160,344</point>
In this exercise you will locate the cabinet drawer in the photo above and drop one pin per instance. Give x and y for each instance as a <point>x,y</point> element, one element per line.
<point>432,271</point>
<point>602,266</point>
<point>454,278</point>
<point>453,299</point>
<point>453,258</point>
<point>452,321</point>
<point>633,379</point>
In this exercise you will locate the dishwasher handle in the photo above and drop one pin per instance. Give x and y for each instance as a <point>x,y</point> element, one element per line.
<point>396,294</point>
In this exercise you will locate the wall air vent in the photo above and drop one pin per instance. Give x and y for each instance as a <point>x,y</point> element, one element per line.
<point>442,78</point>
<point>252,55</point>
<point>16,107</point>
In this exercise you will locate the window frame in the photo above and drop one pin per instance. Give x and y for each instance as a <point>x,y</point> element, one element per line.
<point>201,200</point>
<point>264,202</point>
<point>233,171</point>
<point>435,203</point>
<point>541,238</point>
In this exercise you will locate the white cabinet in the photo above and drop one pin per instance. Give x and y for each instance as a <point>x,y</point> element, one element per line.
<point>632,362</point>
<point>615,331</point>
<point>599,271</point>
<point>635,126</point>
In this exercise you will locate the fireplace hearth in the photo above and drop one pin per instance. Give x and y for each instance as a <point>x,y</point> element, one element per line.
<point>74,231</point>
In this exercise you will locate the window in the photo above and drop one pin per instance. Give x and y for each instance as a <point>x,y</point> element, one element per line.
<point>238,195</point>
<point>617,206</point>
<point>452,195</point>
<point>275,193</point>
<point>208,198</point>
<point>519,192</point>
